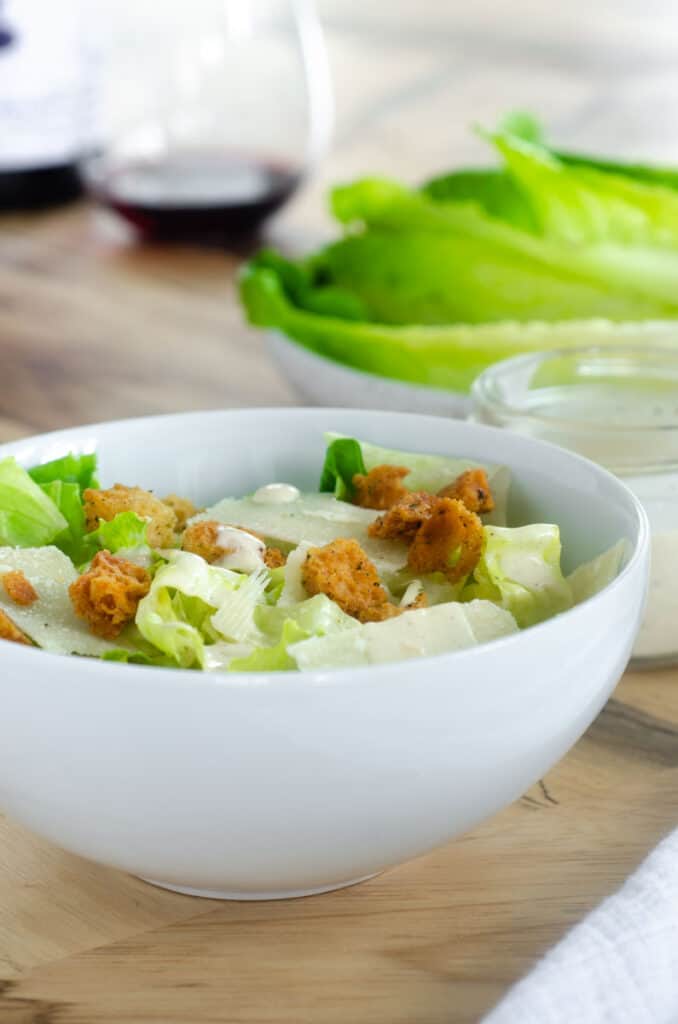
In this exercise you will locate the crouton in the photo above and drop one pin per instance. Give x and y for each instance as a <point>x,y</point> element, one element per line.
<point>402,521</point>
<point>183,509</point>
<point>18,588</point>
<point>450,541</point>
<point>473,488</point>
<point>274,558</point>
<point>202,538</point>
<point>9,631</point>
<point>108,594</point>
<point>343,572</point>
<point>381,488</point>
<point>107,504</point>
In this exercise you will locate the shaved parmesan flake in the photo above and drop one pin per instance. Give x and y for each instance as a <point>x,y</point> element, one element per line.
<point>50,621</point>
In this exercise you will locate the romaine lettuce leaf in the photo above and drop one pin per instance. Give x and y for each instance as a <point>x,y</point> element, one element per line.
<point>423,261</point>
<point>449,356</point>
<point>580,204</point>
<point>28,516</point>
<point>493,188</point>
<point>520,570</point>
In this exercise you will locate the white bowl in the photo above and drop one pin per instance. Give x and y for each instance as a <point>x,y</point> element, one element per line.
<point>271,785</point>
<point>323,381</point>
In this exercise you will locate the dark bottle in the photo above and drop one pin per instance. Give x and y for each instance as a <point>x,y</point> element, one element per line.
<point>45,102</point>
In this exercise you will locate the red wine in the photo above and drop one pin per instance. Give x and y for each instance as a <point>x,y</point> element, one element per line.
<point>196,196</point>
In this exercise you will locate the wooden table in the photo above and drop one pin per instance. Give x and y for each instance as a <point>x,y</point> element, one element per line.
<point>94,328</point>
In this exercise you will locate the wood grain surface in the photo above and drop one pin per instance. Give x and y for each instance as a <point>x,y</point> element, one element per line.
<point>93,327</point>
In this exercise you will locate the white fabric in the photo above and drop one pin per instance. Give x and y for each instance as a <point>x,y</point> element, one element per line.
<point>618,966</point>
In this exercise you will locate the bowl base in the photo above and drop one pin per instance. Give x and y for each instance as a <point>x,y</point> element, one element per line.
<point>287,894</point>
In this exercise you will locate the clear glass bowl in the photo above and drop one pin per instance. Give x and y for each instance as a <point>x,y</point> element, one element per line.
<point>617,405</point>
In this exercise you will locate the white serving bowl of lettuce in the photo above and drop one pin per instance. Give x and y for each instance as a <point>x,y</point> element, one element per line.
<point>259,785</point>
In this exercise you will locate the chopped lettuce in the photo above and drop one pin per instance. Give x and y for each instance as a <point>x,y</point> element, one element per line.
<point>343,459</point>
<point>69,469</point>
<point>419,633</point>
<point>519,570</point>
<point>74,541</point>
<point>272,659</point>
<point>317,616</point>
<point>175,616</point>
<point>28,516</point>
<point>126,531</point>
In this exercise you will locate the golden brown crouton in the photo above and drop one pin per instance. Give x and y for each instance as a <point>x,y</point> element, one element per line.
<point>183,509</point>
<point>450,541</point>
<point>473,488</point>
<point>202,538</point>
<point>107,504</point>
<point>381,488</point>
<point>18,588</point>
<point>274,558</point>
<point>343,571</point>
<point>107,595</point>
<point>402,521</point>
<point>8,631</point>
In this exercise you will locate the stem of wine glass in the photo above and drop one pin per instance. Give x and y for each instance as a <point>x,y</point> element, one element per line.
<point>318,81</point>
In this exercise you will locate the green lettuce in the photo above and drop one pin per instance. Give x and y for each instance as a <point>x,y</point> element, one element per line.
<point>343,459</point>
<point>175,616</point>
<point>316,616</point>
<point>449,356</point>
<point>275,658</point>
<point>74,541</point>
<point>125,532</point>
<point>520,570</point>
<point>28,516</point>
<point>579,203</point>
<point>70,469</point>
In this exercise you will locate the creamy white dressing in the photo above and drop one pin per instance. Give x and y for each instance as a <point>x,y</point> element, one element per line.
<point>276,494</point>
<point>658,636</point>
<point>242,551</point>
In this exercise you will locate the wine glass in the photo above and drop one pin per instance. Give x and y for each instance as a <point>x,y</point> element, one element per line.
<point>214,112</point>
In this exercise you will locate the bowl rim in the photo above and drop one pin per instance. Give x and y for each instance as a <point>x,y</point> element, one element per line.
<point>22,656</point>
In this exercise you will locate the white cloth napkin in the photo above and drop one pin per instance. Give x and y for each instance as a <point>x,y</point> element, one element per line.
<point>618,966</point>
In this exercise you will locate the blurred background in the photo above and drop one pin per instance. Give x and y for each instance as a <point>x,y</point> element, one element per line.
<point>94,325</point>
